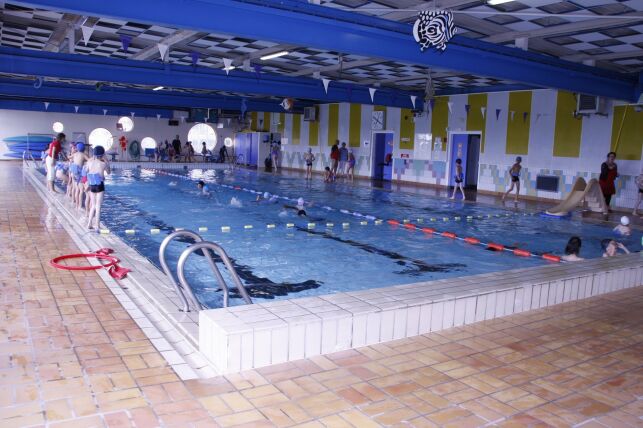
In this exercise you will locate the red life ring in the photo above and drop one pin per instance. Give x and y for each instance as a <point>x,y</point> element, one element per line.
<point>111,259</point>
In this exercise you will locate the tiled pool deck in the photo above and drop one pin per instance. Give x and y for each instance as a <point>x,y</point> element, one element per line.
<point>72,356</point>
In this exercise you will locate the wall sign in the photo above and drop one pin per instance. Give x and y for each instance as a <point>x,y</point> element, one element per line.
<point>434,28</point>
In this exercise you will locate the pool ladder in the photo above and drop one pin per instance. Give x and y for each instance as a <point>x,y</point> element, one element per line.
<point>182,287</point>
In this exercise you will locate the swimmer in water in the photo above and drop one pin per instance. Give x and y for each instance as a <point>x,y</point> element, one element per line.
<point>235,202</point>
<point>299,208</point>
<point>624,228</point>
<point>266,198</point>
<point>172,183</point>
<point>203,187</point>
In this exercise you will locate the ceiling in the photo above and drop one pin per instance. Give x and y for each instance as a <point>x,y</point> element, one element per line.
<point>604,33</point>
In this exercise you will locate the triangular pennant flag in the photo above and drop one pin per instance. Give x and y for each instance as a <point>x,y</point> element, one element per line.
<point>326,82</point>
<point>432,103</point>
<point>413,98</point>
<point>227,121</point>
<point>195,57</point>
<point>87,33</point>
<point>158,116</point>
<point>483,111</point>
<point>497,113</point>
<point>524,116</point>
<point>450,105</point>
<point>372,92</point>
<point>512,114</point>
<point>163,48</point>
<point>182,118</point>
<point>76,108</point>
<point>104,111</point>
<point>125,41</point>
<point>227,63</point>
<point>467,107</point>
<point>46,105</point>
<point>132,114</point>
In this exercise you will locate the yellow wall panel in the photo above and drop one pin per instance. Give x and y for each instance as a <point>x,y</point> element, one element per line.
<point>253,121</point>
<point>296,128</point>
<point>567,133</point>
<point>313,131</point>
<point>440,121</point>
<point>518,128</point>
<point>627,133</point>
<point>475,120</point>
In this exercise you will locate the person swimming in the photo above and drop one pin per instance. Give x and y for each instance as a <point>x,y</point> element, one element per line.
<point>299,207</point>
<point>205,190</point>
<point>266,198</point>
<point>234,202</point>
<point>624,228</point>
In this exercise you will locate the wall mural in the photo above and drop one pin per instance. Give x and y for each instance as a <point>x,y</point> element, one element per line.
<point>434,28</point>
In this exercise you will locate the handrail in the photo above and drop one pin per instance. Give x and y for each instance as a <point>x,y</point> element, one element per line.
<point>205,246</point>
<point>179,290</point>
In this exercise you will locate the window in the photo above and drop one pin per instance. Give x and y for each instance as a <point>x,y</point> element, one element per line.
<point>148,143</point>
<point>126,124</point>
<point>58,127</point>
<point>101,137</point>
<point>202,132</point>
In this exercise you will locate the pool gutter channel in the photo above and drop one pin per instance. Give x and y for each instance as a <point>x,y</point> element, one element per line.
<point>156,311</point>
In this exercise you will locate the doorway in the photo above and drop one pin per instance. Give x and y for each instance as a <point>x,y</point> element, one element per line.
<point>465,146</point>
<point>382,168</point>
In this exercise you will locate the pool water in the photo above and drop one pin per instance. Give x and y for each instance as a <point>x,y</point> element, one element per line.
<point>304,260</point>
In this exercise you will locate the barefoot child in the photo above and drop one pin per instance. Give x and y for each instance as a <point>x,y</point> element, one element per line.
<point>96,169</point>
<point>459,179</point>
<point>514,172</point>
<point>309,157</point>
<point>350,169</point>
<point>78,160</point>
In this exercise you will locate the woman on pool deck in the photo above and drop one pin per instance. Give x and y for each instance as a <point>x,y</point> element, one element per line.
<point>572,250</point>
<point>350,169</point>
<point>611,247</point>
<point>459,179</point>
<point>609,173</point>
<point>96,169</point>
<point>514,172</point>
<point>309,157</point>
<point>55,148</point>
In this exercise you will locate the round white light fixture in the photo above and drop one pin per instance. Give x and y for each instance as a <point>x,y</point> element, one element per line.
<point>148,143</point>
<point>227,141</point>
<point>202,132</point>
<point>126,123</point>
<point>58,127</point>
<point>101,137</point>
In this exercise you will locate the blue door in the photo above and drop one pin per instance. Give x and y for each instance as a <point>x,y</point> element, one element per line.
<point>459,149</point>
<point>383,160</point>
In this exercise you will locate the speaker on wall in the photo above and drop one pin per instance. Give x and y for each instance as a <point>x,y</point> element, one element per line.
<point>173,122</point>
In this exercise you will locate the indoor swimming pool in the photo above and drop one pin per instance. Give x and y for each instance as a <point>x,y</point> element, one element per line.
<point>280,255</point>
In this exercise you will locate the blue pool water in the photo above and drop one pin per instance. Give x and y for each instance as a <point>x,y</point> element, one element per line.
<point>295,262</point>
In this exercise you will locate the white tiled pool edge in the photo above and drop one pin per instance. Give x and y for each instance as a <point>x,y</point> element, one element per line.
<point>172,333</point>
<point>245,337</point>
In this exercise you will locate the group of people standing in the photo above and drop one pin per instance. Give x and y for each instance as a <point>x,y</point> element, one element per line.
<point>342,162</point>
<point>176,152</point>
<point>84,173</point>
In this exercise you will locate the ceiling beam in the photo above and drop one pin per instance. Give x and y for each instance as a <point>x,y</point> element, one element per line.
<point>69,107</point>
<point>85,67</point>
<point>69,22</point>
<point>152,51</point>
<point>607,57</point>
<point>50,91</point>
<point>289,21</point>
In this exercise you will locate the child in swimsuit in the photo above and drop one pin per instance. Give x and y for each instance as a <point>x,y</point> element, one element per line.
<point>328,175</point>
<point>78,160</point>
<point>309,157</point>
<point>96,169</point>
<point>514,173</point>
<point>459,179</point>
<point>350,170</point>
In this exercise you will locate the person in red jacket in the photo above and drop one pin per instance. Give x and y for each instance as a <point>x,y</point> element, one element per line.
<point>334,157</point>
<point>55,148</point>
<point>609,173</point>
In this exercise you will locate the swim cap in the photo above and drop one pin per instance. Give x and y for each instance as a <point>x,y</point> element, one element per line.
<point>300,202</point>
<point>518,159</point>
<point>99,151</point>
<point>80,147</point>
<point>266,195</point>
<point>625,220</point>
<point>201,183</point>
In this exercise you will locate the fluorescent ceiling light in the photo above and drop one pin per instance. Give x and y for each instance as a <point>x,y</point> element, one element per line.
<point>274,55</point>
<point>232,67</point>
<point>158,88</point>
<point>495,2</point>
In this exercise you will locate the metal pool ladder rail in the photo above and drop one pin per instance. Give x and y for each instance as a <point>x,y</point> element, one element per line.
<point>183,286</point>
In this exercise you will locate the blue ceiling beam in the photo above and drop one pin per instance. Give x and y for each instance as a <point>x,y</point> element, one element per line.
<point>307,25</point>
<point>482,89</point>
<point>67,107</point>
<point>133,97</point>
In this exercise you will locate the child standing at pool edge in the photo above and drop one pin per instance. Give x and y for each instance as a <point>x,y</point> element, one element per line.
<point>459,179</point>
<point>96,169</point>
<point>514,172</point>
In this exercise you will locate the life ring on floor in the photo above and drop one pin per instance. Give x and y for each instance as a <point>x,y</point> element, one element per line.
<point>112,267</point>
